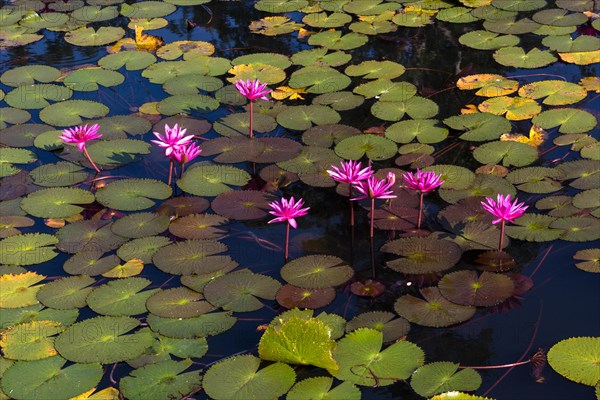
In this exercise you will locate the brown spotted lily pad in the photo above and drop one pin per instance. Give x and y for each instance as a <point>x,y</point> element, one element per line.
<point>466,288</point>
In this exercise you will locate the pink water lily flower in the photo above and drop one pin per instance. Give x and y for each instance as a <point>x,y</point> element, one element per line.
<point>375,188</point>
<point>504,210</point>
<point>252,90</point>
<point>423,181</point>
<point>184,154</point>
<point>174,137</point>
<point>287,210</point>
<point>352,173</point>
<point>80,135</point>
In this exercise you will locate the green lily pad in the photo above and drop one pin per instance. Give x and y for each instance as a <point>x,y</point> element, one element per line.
<point>319,80</point>
<point>511,26</point>
<point>424,130</point>
<point>590,260</point>
<point>439,377</point>
<point>536,179</point>
<point>164,71</point>
<point>10,223</point>
<point>178,302</point>
<point>363,362</point>
<point>392,327</point>
<point>82,236</point>
<point>328,134</point>
<point>23,135</point>
<point>559,206</point>
<point>301,118</point>
<point>18,290</point>
<point>90,262</point>
<point>334,40</point>
<point>199,226</point>
<point>239,291</point>
<point>95,13</point>
<point>480,126</point>
<point>320,388</point>
<point>316,271</point>
<point>15,35</point>
<point>91,37</point>
<point>311,159</point>
<point>434,310</point>
<point>566,44</point>
<point>374,147</point>
<point>320,57</point>
<point>554,92</point>
<point>164,380</point>
<point>212,180</point>
<point>117,152</point>
<point>239,377</point>
<point>29,75</point>
<point>558,17</point>
<point>56,202</point>
<point>516,57</point>
<point>456,15</point>
<point>274,59</point>
<point>34,21</point>
<point>10,156</point>
<point>484,40</point>
<point>516,5</point>
<point>30,340</point>
<point>90,79</point>
<point>132,194</point>
<point>387,90</point>
<point>587,199</point>
<point>188,328</point>
<point>187,103</point>
<point>577,359</point>
<point>238,124</point>
<point>45,379</point>
<point>591,151</point>
<point>411,19</point>
<point>118,126</point>
<point>515,108</point>
<point>132,60</point>
<point>578,229</point>
<point>569,120</point>
<point>70,112</point>
<point>280,6</point>
<point>416,107</point>
<point>454,176</point>
<point>239,204</point>
<point>509,152</point>
<point>340,101</point>
<point>147,9</point>
<point>9,115</point>
<point>121,297</point>
<point>36,96</point>
<point>58,174</point>
<point>466,288</point>
<point>192,84</point>
<point>178,48</point>
<point>376,70</point>
<point>298,341</point>
<point>192,256</point>
<point>142,248</point>
<point>584,172</point>
<point>534,228</point>
<point>66,293</point>
<point>291,296</point>
<point>323,20</point>
<point>140,225</point>
<point>422,255</point>
<point>103,340</point>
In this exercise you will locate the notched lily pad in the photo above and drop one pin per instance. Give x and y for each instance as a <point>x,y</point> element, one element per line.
<point>239,291</point>
<point>132,194</point>
<point>316,271</point>
<point>433,310</point>
<point>422,255</point>
<point>466,288</point>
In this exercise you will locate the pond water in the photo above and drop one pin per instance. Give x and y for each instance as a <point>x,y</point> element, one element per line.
<point>562,301</point>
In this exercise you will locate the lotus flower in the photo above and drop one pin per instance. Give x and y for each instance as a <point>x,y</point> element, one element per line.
<point>252,90</point>
<point>173,139</point>
<point>374,188</point>
<point>504,211</point>
<point>422,182</point>
<point>287,210</point>
<point>352,173</point>
<point>187,153</point>
<point>80,135</point>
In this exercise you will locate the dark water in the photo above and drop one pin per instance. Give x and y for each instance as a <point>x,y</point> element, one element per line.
<point>564,301</point>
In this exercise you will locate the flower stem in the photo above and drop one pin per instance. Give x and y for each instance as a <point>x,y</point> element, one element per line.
<point>372,214</point>
<point>287,240</point>
<point>516,364</point>
<point>501,236</point>
<point>182,168</point>
<point>87,155</point>
<point>170,172</point>
<point>251,109</point>
<point>351,204</point>
<point>420,210</point>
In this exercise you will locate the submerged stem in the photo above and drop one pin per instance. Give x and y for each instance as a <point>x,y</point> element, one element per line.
<point>87,155</point>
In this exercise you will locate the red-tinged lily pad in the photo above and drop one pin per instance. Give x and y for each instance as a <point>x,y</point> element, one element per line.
<point>369,288</point>
<point>199,226</point>
<point>432,310</point>
<point>182,206</point>
<point>422,255</point>
<point>396,216</point>
<point>242,204</point>
<point>469,289</point>
<point>231,150</point>
<point>393,328</point>
<point>290,296</point>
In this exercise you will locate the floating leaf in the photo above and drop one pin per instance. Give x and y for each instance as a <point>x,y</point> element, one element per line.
<point>273,26</point>
<point>319,80</point>
<point>334,40</point>
<point>439,377</point>
<point>466,288</point>
<point>422,255</point>
<point>363,362</point>
<point>91,37</point>
<point>10,223</point>
<point>32,97</point>
<point>584,172</point>
<point>147,9</point>
<point>320,388</point>
<point>90,262</point>
<point>578,229</point>
<point>197,282</point>
<point>131,268</point>
<point>386,322</point>
<point>484,40</point>
<point>102,339</point>
<point>580,58</point>
<point>416,107</point>
<point>516,57</point>
<point>30,341</point>
<point>424,130</point>
<point>316,271</point>
<point>178,302</point>
<point>132,194</point>
<point>140,225</point>
<point>489,85</point>
<point>320,57</point>
<point>516,5</point>
<point>280,6</point>
<point>376,70</point>
<point>591,260</point>
<point>509,152</point>
<point>10,156</point>
<point>238,291</point>
<point>27,249</point>
<point>559,206</point>
<point>511,26</point>
<point>187,103</point>
<point>204,325</point>
<point>191,257</point>
<point>374,147</point>
<point>70,112</point>
<point>577,359</point>
<point>328,134</point>
<point>162,72</point>
<point>132,60</point>
<point>239,377</point>
<point>82,236</point>
<point>29,75</point>
<point>66,293</point>
<point>534,228</point>
<point>339,101</point>
<point>434,310</point>
<point>58,174</point>
<point>303,117</point>
<point>164,380</point>
<point>114,153</point>
<point>89,79</point>
<point>199,226</point>
<point>515,108</point>
<point>299,341</point>
<point>536,179</point>
<point>554,92</point>
<point>121,297</point>
<point>291,296</point>
<point>480,127</point>
<point>212,180</point>
<point>47,379</point>
<point>241,205</point>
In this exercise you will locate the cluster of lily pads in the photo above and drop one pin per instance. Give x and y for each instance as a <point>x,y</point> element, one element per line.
<point>114,227</point>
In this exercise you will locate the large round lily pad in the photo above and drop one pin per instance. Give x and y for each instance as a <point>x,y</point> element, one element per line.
<point>178,302</point>
<point>211,180</point>
<point>242,204</point>
<point>466,288</point>
<point>121,297</point>
<point>19,290</point>
<point>140,225</point>
<point>91,37</point>
<point>66,293</point>
<point>422,255</point>
<point>433,310</point>
<point>239,291</point>
<point>509,152</point>
<point>577,359</point>
<point>70,112</point>
<point>392,327</point>
<point>316,271</point>
<point>132,194</point>
<point>199,226</point>
<point>321,388</point>
<point>192,256</point>
<point>374,147</point>
<point>56,202</point>
<point>440,377</point>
